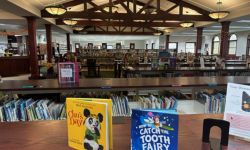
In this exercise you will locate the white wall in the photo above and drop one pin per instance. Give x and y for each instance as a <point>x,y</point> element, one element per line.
<point>242,43</point>
<point>3,39</point>
<point>125,40</point>
<point>182,41</point>
<point>207,39</point>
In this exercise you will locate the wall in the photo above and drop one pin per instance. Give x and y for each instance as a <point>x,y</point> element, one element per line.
<point>182,41</point>
<point>56,38</point>
<point>125,40</point>
<point>3,43</point>
<point>155,40</point>
<point>242,43</point>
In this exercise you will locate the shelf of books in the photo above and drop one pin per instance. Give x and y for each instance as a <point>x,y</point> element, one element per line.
<point>186,95</point>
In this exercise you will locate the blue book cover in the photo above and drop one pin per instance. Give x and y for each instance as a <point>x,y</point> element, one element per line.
<point>154,130</point>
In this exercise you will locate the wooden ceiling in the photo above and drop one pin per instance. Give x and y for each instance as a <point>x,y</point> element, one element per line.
<point>132,17</point>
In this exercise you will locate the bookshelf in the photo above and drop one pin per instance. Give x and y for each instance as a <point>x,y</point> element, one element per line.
<point>134,87</point>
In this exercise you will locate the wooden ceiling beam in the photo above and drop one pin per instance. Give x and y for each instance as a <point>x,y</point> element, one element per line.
<point>125,23</point>
<point>118,33</point>
<point>97,7</point>
<point>136,2</point>
<point>106,5</point>
<point>73,3</point>
<point>126,8</point>
<point>171,8</point>
<point>145,6</point>
<point>125,16</point>
<point>191,6</point>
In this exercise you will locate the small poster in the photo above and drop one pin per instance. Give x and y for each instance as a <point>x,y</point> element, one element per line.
<point>237,110</point>
<point>68,72</point>
<point>104,45</point>
<point>132,45</point>
<point>154,130</point>
<point>118,46</point>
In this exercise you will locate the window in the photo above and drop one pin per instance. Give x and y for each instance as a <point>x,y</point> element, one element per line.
<point>248,45</point>
<point>232,44</point>
<point>190,47</point>
<point>216,46</point>
<point>173,45</point>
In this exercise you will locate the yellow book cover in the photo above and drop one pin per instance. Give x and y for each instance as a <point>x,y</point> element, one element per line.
<point>87,123</point>
<point>110,120</point>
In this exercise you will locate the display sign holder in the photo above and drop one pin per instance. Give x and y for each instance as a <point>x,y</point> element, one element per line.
<point>237,110</point>
<point>68,72</point>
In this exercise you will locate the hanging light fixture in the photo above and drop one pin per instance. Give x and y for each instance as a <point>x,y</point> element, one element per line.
<point>56,9</point>
<point>219,14</point>
<point>78,28</point>
<point>186,24</point>
<point>113,7</point>
<point>157,33</point>
<point>70,22</point>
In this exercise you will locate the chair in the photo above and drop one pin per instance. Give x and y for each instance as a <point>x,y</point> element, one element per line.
<point>222,124</point>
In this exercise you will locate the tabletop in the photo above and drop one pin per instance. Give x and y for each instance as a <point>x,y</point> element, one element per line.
<point>52,135</point>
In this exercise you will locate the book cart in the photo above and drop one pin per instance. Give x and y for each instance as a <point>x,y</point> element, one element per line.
<point>52,134</point>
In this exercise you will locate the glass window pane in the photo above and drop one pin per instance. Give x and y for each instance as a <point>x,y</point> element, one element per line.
<point>172,45</point>
<point>216,48</point>
<point>216,39</point>
<point>232,51</point>
<point>232,44</point>
<point>190,47</point>
<point>233,37</point>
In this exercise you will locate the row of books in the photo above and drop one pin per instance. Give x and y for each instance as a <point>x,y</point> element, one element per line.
<point>214,103</point>
<point>31,110</point>
<point>153,102</point>
<point>120,106</point>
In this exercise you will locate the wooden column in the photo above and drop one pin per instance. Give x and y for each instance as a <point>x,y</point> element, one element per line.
<point>167,41</point>
<point>68,42</point>
<point>224,45</point>
<point>198,40</point>
<point>49,42</point>
<point>32,47</point>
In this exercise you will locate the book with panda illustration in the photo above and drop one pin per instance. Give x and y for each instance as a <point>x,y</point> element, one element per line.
<point>154,130</point>
<point>88,122</point>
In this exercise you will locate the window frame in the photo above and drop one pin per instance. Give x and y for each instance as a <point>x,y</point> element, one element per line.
<point>213,42</point>
<point>174,43</point>
<point>190,43</point>
<point>230,41</point>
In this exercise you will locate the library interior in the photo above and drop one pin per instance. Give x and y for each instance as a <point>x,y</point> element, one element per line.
<point>125,74</point>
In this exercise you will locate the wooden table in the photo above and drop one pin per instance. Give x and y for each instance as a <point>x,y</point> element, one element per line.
<point>121,83</point>
<point>52,135</point>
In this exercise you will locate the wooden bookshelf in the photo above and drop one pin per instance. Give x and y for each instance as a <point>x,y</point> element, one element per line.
<point>53,135</point>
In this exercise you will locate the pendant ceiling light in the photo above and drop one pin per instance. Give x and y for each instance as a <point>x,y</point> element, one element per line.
<point>78,28</point>
<point>56,9</point>
<point>186,24</point>
<point>70,22</point>
<point>157,33</point>
<point>219,14</point>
